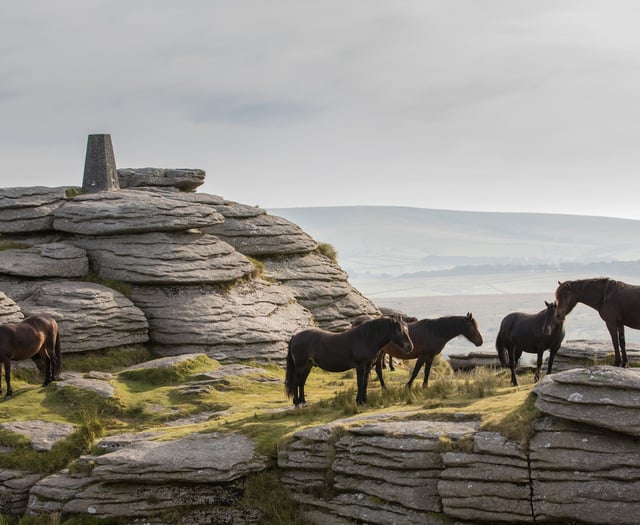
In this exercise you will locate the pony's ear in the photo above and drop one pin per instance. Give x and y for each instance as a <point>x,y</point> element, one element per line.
<point>547,304</point>
<point>469,315</point>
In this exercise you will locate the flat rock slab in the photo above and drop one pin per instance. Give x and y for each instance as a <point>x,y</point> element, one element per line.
<point>24,210</point>
<point>473,360</point>
<point>207,458</point>
<point>580,353</point>
<point>184,179</point>
<point>42,434</point>
<point>602,396</point>
<point>164,362</point>
<point>165,258</point>
<point>91,316</point>
<point>136,211</point>
<point>45,260</point>
<point>99,386</point>
<point>263,235</point>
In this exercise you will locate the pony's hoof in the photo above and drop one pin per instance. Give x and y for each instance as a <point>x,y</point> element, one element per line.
<point>8,396</point>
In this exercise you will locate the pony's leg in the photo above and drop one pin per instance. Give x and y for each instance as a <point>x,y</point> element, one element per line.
<point>48,366</point>
<point>613,331</point>
<point>7,377</point>
<point>305,375</point>
<point>379,366</point>
<point>536,377</point>
<point>552,355</point>
<point>391,367</point>
<point>512,365</point>
<point>427,370</point>
<point>362,376</point>
<point>416,369</point>
<point>623,346</point>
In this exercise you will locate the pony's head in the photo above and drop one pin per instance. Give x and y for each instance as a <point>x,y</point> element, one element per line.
<point>400,334</point>
<point>566,299</point>
<point>551,320</point>
<point>471,331</point>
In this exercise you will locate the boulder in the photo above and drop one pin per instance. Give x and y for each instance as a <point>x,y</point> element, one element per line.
<point>165,258</point>
<point>251,320</point>
<point>9,311</point>
<point>24,210</point>
<point>135,211</point>
<point>322,287</point>
<point>601,396</point>
<point>45,260</point>
<point>91,316</point>
<point>182,179</point>
<point>262,235</point>
<point>471,360</point>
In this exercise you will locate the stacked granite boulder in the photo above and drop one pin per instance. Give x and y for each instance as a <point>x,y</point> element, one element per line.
<point>153,261</point>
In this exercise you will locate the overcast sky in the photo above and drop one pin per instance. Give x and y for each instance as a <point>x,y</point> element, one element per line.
<point>497,105</point>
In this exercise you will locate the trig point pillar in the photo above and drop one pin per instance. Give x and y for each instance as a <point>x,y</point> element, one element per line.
<point>100,166</point>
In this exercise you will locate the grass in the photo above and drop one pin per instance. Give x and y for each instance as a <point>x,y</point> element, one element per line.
<point>256,405</point>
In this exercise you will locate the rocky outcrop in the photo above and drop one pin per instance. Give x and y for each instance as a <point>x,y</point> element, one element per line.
<point>575,468</point>
<point>142,478</point>
<point>180,260</point>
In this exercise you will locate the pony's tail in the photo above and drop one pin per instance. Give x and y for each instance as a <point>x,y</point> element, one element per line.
<point>501,351</point>
<point>288,382</point>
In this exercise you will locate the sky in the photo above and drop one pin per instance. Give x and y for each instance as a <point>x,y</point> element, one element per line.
<point>492,105</point>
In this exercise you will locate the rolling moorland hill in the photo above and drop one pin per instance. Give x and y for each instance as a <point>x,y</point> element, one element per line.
<point>430,263</point>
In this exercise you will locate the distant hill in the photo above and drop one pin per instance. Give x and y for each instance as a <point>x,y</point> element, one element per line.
<point>416,251</point>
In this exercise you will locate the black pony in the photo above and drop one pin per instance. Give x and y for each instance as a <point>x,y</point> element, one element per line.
<point>356,348</point>
<point>531,333</point>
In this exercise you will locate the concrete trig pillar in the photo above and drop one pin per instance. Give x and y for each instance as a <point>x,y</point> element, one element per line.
<point>100,166</point>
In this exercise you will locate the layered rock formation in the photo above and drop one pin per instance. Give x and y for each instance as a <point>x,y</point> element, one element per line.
<point>582,464</point>
<point>169,267</point>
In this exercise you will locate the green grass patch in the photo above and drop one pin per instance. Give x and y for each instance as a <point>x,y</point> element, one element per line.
<point>266,492</point>
<point>171,375</point>
<point>108,360</point>
<point>13,245</point>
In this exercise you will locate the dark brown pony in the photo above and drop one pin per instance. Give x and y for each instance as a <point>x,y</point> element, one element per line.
<point>356,348</point>
<point>35,335</point>
<point>531,333</point>
<point>617,303</point>
<point>429,337</point>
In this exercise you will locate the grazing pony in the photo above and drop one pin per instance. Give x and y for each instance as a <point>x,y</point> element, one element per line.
<point>429,337</point>
<point>358,348</point>
<point>618,304</point>
<point>35,335</point>
<point>531,333</point>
